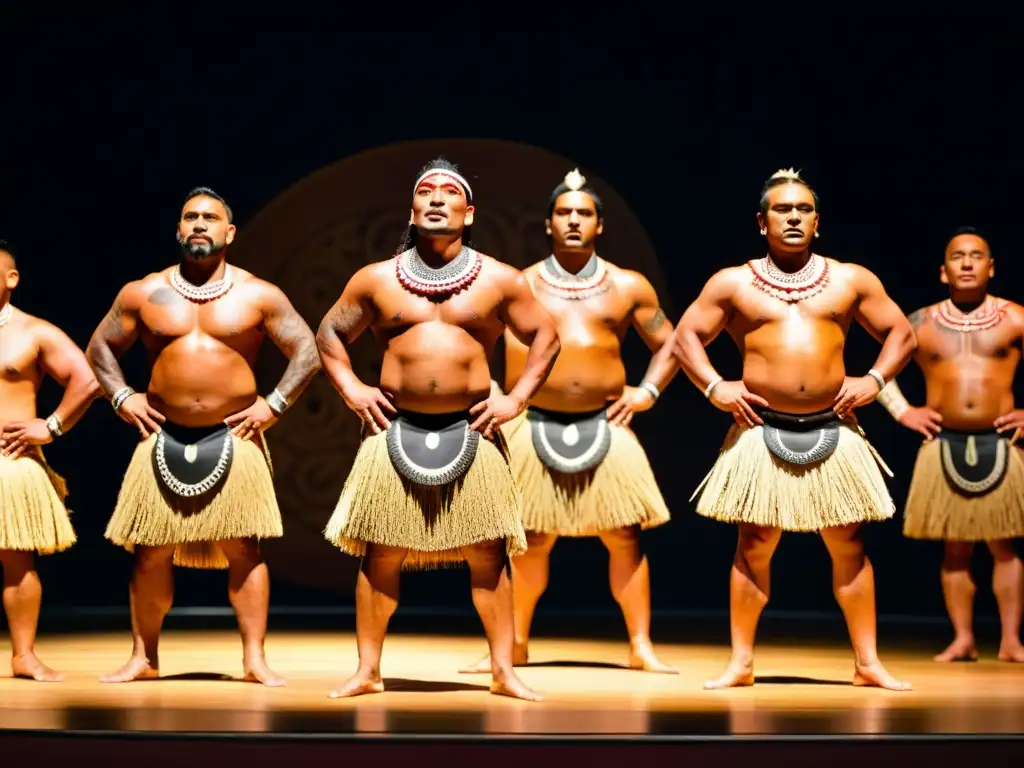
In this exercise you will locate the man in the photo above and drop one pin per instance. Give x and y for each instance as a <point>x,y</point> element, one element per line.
<point>795,459</point>
<point>431,484</point>
<point>33,518</point>
<point>198,491</point>
<point>968,486</point>
<point>579,467</point>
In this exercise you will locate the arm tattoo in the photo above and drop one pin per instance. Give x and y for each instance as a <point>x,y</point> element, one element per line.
<point>101,357</point>
<point>339,324</point>
<point>294,337</point>
<point>655,322</point>
<point>917,318</point>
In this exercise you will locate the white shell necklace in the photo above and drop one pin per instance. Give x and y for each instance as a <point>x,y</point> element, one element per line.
<point>201,293</point>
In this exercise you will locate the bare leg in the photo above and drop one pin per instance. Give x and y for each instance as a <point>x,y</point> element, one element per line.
<point>23,597</point>
<point>376,600</point>
<point>249,592</point>
<point>958,589</point>
<point>1007,584</point>
<point>630,579</point>
<point>853,582</point>
<point>150,596</point>
<point>492,595</point>
<point>529,580</point>
<point>749,587</point>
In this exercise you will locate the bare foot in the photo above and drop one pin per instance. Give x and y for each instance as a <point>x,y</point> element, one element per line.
<point>1011,652</point>
<point>877,675</point>
<point>520,656</point>
<point>642,657</point>
<point>510,685</point>
<point>258,672</point>
<point>29,667</point>
<point>362,682</point>
<point>738,673</point>
<point>137,668</point>
<point>959,650</point>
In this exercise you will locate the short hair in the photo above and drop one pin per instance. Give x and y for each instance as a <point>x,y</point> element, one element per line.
<point>966,230</point>
<point>207,192</point>
<point>785,176</point>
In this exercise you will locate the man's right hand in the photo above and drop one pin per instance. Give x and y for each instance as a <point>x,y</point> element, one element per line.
<point>923,420</point>
<point>137,411</point>
<point>369,404</point>
<point>733,396</point>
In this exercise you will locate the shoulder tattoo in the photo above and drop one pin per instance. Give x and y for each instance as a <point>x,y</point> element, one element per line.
<point>918,318</point>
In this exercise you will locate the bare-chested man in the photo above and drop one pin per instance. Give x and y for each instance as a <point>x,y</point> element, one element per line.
<point>795,459</point>
<point>431,482</point>
<point>33,518</point>
<point>198,491</point>
<point>579,467</point>
<point>968,486</point>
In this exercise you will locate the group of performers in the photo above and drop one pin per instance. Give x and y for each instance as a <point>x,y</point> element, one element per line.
<point>454,467</point>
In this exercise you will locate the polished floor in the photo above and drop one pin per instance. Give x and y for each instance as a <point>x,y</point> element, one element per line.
<point>802,689</point>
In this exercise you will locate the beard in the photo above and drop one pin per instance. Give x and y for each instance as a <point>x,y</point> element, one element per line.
<point>198,248</point>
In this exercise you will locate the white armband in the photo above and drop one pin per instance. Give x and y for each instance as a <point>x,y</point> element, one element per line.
<point>893,400</point>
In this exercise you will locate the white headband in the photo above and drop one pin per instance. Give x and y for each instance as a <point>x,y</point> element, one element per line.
<point>444,172</point>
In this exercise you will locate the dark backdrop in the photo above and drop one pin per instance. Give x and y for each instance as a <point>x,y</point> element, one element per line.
<point>111,117</point>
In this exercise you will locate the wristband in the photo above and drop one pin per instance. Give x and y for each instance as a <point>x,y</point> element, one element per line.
<point>55,425</point>
<point>711,387</point>
<point>120,396</point>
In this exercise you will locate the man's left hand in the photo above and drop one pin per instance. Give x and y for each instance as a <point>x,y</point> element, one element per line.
<point>855,393</point>
<point>633,400</point>
<point>495,411</point>
<point>255,419</point>
<point>17,436</point>
<point>1012,421</point>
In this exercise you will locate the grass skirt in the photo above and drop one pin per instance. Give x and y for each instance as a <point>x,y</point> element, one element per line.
<point>243,505</point>
<point>33,517</point>
<point>379,506</point>
<point>935,510</point>
<point>620,492</point>
<point>748,484</point>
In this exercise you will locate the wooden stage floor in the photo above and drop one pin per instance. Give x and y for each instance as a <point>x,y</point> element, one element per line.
<point>801,690</point>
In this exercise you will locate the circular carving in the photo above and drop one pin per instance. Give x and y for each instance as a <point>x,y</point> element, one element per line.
<point>314,236</point>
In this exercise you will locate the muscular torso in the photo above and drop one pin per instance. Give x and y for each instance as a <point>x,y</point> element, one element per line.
<point>969,376</point>
<point>201,355</point>
<point>21,371</point>
<point>589,370</point>
<point>793,353</point>
<point>436,353</point>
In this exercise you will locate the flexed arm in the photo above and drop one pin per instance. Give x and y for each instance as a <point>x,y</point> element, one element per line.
<point>703,320</point>
<point>352,314</point>
<point>652,325</point>
<point>114,336</point>
<point>532,325</point>
<point>881,317</point>
<point>65,363</point>
<point>290,334</point>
